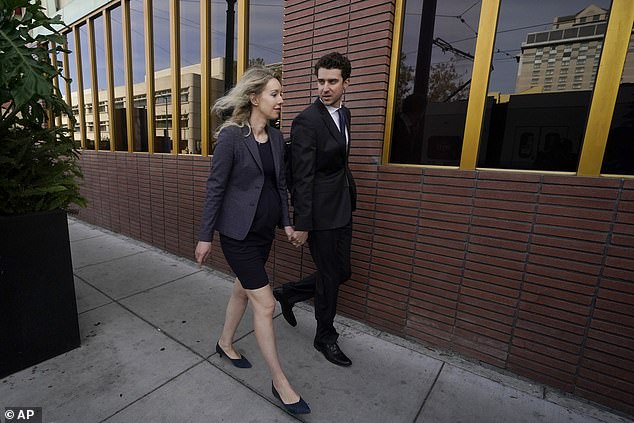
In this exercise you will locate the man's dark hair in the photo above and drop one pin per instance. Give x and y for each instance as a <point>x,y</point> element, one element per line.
<point>335,60</point>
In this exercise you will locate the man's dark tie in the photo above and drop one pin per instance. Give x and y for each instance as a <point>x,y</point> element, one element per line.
<point>342,122</point>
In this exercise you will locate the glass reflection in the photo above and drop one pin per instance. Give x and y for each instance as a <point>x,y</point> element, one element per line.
<point>119,117</point>
<point>139,114</point>
<point>162,77</point>
<point>619,152</point>
<point>190,77</point>
<point>544,67</point>
<point>434,74</point>
<point>61,82</point>
<point>87,82</point>
<point>102,85</point>
<point>72,72</point>
<point>265,40</point>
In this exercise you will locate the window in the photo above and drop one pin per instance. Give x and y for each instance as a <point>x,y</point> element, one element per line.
<point>536,131</point>
<point>431,98</point>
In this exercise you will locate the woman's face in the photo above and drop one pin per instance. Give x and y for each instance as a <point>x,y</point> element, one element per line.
<point>269,102</point>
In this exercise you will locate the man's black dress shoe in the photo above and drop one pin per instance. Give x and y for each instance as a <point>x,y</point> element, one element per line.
<point>287,308</point>
<point>333,353</point>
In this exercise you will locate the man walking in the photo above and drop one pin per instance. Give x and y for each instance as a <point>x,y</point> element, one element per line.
<point>324,197</point>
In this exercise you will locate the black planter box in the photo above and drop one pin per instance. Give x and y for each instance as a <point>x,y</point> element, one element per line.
<point>38,309</point>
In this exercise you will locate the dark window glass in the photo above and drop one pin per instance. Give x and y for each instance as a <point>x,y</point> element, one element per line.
<point>556,35</point>
<point>433,85</point>
<point>536,125</point>
<point>619,152</point>
<point>586,31</point>
<point>570,33</point>
<point>541,37</point>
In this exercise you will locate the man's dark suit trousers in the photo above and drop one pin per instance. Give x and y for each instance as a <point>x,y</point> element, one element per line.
<point>330,250</point>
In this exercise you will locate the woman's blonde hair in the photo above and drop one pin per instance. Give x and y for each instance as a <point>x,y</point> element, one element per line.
<point>237,102</point>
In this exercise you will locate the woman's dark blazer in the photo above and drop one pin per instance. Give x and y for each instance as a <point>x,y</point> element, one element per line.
<point>235,183</point>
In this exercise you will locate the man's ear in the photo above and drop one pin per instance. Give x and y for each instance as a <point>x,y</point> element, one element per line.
<point>346,83</point>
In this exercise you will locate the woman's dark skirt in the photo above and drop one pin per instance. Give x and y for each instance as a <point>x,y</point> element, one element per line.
<point>247,261</point>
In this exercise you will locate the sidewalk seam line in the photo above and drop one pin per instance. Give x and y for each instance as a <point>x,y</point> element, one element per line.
<point>431,388</point>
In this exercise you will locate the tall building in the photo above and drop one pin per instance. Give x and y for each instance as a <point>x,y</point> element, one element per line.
<point>566,57</point>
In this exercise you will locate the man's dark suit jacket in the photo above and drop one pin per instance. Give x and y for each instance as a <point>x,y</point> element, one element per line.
<point>324,193</point>
<point>235,183</point>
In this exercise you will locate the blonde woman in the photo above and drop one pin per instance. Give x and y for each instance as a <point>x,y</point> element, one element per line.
<point>246,199</point>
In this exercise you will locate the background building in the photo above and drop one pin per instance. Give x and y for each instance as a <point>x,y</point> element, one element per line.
<point>567,57</point>
<point>190,112</point>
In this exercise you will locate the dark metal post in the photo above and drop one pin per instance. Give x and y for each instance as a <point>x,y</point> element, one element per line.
<point>425,41</point>
<point>229,45</point>
<point>421,77</point>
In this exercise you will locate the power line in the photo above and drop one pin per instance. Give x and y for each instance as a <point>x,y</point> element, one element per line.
<point>470,7</point>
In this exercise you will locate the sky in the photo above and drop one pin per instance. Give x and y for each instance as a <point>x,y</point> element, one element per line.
<point>515,15</point>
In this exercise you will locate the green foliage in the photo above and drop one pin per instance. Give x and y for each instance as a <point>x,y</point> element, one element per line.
<point>444,82</point>
<point>38,163</point>
<point>405,80</point>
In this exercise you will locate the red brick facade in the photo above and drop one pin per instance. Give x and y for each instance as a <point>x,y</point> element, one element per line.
<point>527,272</point>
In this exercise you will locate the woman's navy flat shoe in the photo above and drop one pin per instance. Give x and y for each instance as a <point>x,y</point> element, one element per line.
<point>299,407</point>
<point>241,362</point>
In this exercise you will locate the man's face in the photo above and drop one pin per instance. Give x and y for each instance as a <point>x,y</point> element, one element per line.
<point>330,86</point>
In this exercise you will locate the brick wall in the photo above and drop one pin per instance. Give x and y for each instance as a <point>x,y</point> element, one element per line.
<point>527,272</point>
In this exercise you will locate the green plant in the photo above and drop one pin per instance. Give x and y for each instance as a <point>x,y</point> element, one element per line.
<point>39,167</point>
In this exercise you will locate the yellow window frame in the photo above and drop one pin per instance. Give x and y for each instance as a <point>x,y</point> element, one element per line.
<point>603,99</point>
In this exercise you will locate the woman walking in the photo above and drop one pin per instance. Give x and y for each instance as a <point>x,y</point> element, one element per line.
<point>246,199</point>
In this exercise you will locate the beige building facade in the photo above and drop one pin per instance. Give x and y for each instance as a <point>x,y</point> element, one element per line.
<point>566,57</point>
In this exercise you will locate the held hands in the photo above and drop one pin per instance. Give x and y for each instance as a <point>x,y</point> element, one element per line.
<point>297,238</point>
<point>203,248</point>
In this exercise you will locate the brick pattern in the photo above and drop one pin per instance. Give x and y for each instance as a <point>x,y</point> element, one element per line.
<point>531,273</point>
<point>606,373</point>
<point>527,272</point>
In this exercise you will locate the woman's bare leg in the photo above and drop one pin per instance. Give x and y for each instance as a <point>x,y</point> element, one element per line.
<point>235,310</point>
<point>263,304</point>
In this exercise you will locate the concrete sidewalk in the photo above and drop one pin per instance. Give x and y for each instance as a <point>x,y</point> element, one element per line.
<point>149,322</point>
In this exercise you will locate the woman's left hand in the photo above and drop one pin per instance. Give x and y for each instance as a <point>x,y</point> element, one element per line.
<point>203,248</point>
<point>289,231</point>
